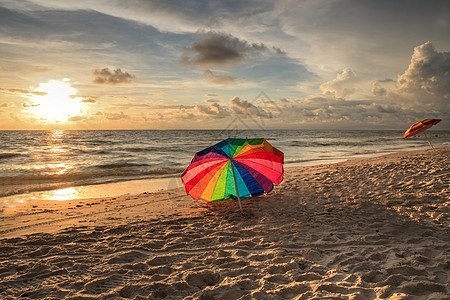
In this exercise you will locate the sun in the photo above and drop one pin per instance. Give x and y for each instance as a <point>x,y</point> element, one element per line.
<point>55,101</point>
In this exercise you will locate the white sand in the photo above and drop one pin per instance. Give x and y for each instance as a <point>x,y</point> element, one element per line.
<point>363,229</point>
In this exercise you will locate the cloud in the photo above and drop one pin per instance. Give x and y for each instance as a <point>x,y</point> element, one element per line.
<point>88,100</point>
<point>212,100</point>
<point>421,91</point>
<point>219,50</point>
<point>326,111</point>
<point>105,76</point>
<point>76,118</point>
<point>342,85</point>
<point>386,80</point>
<point>426,81</point>
<point>37,93</point>
<point>116,116</point>
<point>377,90</point>
<point>153,106</point>
<point>386,108</point>
<point>279,51</point>
<point>14,91</point>
<point>243,106</point>
<point>211,95</point>
<point>218,79</point>
<point>159,94</point>
<point>214,110</point>
<point>182,113</point>
<point>14,117</point>
<point>30,104</point>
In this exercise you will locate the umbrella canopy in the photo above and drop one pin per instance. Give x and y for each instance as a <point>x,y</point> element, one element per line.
<point>420,126</point>
<point>234,167</point>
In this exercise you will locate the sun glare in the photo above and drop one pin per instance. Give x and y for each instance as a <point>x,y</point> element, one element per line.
<point>55,101</point>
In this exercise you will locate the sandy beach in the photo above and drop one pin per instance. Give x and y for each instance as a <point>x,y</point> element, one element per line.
<point>372,228</point>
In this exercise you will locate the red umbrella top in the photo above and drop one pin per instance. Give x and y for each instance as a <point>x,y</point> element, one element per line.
<point>420,126</point>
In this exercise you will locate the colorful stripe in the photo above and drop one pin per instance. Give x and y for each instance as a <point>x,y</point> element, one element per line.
<point>257,167</point>
<point>420,126</point>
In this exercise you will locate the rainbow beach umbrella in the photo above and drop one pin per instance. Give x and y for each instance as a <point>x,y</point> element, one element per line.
<point>421,126</point>
<point>234,167</point>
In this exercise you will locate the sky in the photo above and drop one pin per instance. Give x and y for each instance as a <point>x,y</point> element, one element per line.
<point>186,64</point>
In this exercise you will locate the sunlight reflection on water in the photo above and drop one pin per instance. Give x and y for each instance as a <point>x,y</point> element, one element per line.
<point>105,190</point>
<point>62,194</point>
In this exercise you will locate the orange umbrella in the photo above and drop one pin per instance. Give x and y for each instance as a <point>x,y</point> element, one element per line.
<point>421,126</point>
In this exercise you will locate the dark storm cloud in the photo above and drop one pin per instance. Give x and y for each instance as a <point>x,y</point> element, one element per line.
<point>219,50</point>
<point>105,76</point>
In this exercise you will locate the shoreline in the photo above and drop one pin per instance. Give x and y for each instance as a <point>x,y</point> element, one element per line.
<point>150,185</point>
<point>93,191</point>
<point>369,228</point>
<point>44,207</point>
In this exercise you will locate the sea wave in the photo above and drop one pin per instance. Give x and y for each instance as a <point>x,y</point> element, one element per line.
<point>43,159</point>
<point>9,155</point>
<point>140,149</point>
<point>307,160</point>
<point>90,174</point>
<point>121,165</point>
<point>313,144</point>
<point>37,182</point>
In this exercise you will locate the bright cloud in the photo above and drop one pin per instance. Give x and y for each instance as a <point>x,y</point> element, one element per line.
<point>343,85</point>
<point>426,82</point>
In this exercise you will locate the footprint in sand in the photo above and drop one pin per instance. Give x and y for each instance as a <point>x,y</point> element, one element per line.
<point>202,279</point>
<point>103,284</point>
<point>127,257</point>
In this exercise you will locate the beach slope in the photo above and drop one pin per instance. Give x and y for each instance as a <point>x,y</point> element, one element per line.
<point>373,228</point>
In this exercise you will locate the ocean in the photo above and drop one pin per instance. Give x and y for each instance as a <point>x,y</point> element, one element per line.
<point>34,162</point>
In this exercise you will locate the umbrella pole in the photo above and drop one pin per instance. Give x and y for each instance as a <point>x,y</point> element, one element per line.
<point>428,140</point>
<point>235,184</point>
